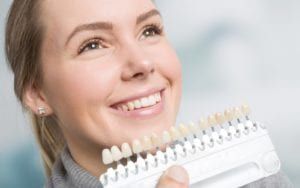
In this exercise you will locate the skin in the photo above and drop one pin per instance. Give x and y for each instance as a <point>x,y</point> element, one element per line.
<point>79,88</point>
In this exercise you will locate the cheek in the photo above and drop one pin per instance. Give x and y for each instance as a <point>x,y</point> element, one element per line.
<point>169,65</point>
<point>77,85</point>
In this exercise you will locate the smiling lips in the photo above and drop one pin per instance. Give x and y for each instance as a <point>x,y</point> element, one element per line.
<point>142,102</point>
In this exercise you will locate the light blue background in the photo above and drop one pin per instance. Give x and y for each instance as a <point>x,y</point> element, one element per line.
<point>232,52</point>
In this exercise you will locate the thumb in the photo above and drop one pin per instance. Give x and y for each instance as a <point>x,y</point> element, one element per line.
<point>174,177</point>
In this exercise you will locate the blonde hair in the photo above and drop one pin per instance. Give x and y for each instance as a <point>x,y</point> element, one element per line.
<point>23,41</point>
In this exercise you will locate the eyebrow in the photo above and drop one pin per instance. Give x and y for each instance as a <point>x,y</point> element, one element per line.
<point>108,25</point>
<point>90,26</point>
<point>147,15</point>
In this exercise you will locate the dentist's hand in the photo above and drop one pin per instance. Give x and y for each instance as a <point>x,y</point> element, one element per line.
<point>174,177</point>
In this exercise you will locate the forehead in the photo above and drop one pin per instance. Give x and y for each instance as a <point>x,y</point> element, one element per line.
<point>73,12</point>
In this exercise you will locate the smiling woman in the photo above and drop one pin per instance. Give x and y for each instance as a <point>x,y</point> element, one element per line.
<point>92,74</point>
<point>87,72</point>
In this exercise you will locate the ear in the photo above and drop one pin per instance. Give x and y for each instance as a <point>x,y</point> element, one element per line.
<point>34,98</point>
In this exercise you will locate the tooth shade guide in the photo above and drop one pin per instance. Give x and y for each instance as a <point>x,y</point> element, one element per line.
<point>185,131</point>
<point>185,151</point>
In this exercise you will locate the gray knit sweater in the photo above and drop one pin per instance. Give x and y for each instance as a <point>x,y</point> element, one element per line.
<point>67,174</point>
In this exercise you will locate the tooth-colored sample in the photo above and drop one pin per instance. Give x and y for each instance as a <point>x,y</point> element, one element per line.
<point>211,120</point>
<point>130,105</point>
<point>107,157</point>
<point>147,144</point>
<point>237,112</point>
<point>175,134</point>
<point>220,118</point>
<point>126,150</point>
<point>245,109</point>
<point>203,123</point>
<point>116,153</point>
<point>156,140</point>
<point>194,129</point>
<point>229,114</point>
<point>137,146</point>
<point>183,130</point>
<point>166,137</point>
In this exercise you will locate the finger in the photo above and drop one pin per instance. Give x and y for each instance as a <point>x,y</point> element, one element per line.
<point>174,177</point>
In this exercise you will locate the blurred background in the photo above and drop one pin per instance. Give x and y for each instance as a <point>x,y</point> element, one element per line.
<point>232,52</point>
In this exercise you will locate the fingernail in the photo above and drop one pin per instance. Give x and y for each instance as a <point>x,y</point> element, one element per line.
<point>177,173</point>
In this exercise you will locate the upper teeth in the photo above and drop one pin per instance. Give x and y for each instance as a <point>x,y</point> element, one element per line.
<point>139,103</point>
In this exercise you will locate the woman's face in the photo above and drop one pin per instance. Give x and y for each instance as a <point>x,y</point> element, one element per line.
<point>109,73</point>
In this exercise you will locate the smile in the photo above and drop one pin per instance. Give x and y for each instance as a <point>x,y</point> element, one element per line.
<point>148,104</point>
<point>140,103</point>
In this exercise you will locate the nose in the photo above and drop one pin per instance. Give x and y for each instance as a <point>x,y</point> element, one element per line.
<point>138,65</point>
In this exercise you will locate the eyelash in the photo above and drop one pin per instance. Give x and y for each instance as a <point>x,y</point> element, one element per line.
<point>88,43</point>
<point>156,28</point>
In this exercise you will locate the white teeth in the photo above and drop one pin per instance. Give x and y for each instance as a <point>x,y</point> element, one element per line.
<point>147,144</point>
<point>157,97</point>
<point>116,153</point>
<point>184,130</point>
<point>107,157</point>
<point>125,107</point>
<point>126,150</point>
<point>137,147</point>
<point>130,105</point>
<point>166,137</point>
<point>156,140</point>
<point>152,100</point>
<point>139,103</point>
<point>145,102</point>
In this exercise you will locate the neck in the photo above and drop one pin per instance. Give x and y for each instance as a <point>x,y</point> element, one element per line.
<point>88,158</point>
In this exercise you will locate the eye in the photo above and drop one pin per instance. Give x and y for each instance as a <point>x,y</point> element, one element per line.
<point>92,44</point>
<point>152,31</point>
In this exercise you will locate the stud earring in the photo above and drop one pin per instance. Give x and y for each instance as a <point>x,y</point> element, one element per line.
<point>41,111</point>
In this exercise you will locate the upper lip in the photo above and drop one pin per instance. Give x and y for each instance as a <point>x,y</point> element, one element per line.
<point>139,95</point>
